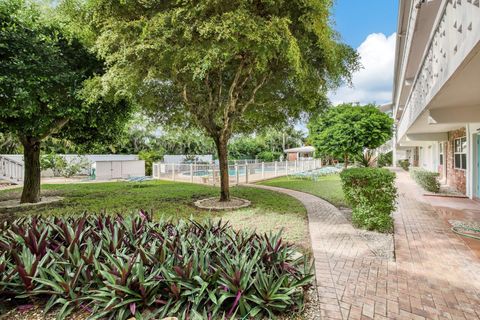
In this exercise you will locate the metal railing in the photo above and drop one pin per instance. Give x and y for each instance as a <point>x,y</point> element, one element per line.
<point>240,173</point>
<point>11,170</point>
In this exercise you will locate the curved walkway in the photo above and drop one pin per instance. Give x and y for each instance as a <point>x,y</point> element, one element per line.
<point>354,284</point>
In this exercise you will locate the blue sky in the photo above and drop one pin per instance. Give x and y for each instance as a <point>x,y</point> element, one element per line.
<point>368,26</point>
<point>356,19</point>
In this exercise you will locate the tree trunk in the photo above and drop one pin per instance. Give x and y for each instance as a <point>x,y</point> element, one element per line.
<point>31,180</point>
<point>345,164</point>
<point>221,144</point>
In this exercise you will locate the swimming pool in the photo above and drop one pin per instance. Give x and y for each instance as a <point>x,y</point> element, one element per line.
<point>231,172</point>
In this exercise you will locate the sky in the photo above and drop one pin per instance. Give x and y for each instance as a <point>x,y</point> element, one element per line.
<point>369,26</point>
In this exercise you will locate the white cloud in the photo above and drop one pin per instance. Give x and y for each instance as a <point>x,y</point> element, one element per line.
<point>373,83</point>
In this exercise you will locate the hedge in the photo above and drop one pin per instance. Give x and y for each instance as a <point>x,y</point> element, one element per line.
<point>428,180</point>
<point>119,268</point>
<point>405,164</point>
<point>372,193</point>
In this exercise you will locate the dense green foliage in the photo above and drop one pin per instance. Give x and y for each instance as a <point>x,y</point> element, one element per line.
<point>269,156</point>
<point>428,180</point>
<point>225,66</point>
<point>41,77</point>
<point>327,187</point>
<point>42,74</point>
<point>123,267</point>
<point>372,194</point>
<point>347,130</point>
<point>385,159</point>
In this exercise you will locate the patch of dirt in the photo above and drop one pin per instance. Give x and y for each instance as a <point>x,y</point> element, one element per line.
<point>35,312</point>
<point>15,195</point>
<point>381,244</point>
<point>215,204</point>
<point>10,208</point>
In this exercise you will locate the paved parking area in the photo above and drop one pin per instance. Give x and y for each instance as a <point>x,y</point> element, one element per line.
<point>436,275</point>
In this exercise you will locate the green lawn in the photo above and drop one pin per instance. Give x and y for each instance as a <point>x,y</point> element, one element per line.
<point>326,187</point>
<point>174,200</point>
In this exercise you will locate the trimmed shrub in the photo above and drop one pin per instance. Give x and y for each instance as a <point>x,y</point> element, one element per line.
<point>372,193</point>
<point>428,180</point>
<point>405,164</point>
<point>124,267</point>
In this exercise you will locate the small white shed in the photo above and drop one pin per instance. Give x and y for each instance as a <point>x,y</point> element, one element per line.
<point>121,169</point>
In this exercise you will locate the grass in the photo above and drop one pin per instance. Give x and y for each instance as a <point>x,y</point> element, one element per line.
<point>327,187</point>
<point>270,211</point>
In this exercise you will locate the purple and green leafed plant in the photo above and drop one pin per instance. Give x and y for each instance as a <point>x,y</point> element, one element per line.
<point>122,267</point>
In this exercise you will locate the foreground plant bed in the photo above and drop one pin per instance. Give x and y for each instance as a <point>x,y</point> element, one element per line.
<point>122,267</point>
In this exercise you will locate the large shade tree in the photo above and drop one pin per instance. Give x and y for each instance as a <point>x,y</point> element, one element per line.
<point>347,130</point>
<point>224,65</point>
<point>42,74</point>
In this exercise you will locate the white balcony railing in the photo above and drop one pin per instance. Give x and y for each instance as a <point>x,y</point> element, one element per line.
<point>455,33</point>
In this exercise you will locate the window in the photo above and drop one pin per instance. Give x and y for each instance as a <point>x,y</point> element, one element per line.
<point>460,152</point>
<point>441,153</point>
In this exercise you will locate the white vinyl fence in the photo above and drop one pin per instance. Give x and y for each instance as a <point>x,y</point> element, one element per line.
<point>239,173</point>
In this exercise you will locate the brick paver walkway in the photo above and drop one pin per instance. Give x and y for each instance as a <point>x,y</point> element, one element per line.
<point>435,275</point>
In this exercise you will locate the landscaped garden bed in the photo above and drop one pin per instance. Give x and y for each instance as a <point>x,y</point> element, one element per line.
<point>126,266</point>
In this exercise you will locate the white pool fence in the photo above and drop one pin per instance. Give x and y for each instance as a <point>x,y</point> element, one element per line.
<point>240,172</point>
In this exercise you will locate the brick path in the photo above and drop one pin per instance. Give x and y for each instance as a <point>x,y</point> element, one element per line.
<point>435,275</point>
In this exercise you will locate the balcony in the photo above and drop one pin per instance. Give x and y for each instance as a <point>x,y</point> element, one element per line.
<point>446,67</point>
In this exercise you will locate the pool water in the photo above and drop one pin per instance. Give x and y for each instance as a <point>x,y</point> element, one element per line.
<point>231,172</point>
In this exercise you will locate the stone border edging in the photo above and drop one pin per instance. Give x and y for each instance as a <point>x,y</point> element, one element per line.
<point>200,204</point>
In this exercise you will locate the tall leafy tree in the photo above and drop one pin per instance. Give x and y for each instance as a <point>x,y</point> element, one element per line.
<point>347,130</point>
<point>224,65</point>
<point>42,73</point>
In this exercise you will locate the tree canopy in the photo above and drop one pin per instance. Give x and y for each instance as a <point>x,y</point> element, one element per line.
<point>42,74</point>
<point>225,66</point>
<point>347,130</point>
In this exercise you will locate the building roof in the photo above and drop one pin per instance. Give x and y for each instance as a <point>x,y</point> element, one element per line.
<point>305,149</point>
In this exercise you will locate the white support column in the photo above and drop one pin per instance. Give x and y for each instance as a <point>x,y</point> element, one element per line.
<point>275,169</point>
<point>286,167</point>
<point>246,172</point>
<point>263,170</point>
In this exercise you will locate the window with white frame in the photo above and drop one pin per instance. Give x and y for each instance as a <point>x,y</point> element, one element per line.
<point>440,145</point>
<point>460,153</point>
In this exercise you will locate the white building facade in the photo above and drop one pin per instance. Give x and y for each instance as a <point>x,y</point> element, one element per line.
<point>436,98</point>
